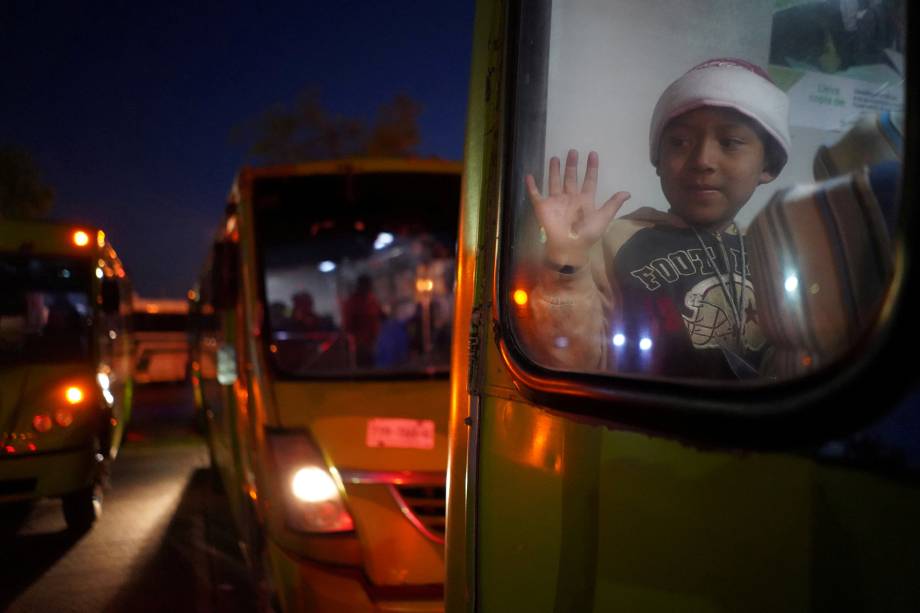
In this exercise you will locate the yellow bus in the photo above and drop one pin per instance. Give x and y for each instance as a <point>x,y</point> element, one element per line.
<point>751,443</point>
<point>160,330</point>
<point>65,364</point>
<point>323,326</point>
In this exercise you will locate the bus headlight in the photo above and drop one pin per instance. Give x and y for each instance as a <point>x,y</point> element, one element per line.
<point>312,493</point>
<point>313,484</point>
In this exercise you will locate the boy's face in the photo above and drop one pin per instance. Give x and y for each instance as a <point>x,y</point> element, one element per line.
<point>710,162</point>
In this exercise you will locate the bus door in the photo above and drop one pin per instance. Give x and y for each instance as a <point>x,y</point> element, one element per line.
<point>700,398</point>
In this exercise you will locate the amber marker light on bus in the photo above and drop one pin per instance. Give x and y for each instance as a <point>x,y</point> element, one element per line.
<point>100,239</point>
<point>519,297</point>
<point>74,394</point>
<point>80,238</point>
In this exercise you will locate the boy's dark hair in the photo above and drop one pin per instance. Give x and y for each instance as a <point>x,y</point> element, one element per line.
<point>773,154</point>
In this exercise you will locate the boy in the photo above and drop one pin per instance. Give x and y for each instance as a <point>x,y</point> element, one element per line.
<point>664,293</point>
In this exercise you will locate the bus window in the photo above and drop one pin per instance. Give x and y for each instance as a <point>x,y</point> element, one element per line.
<point>701,193</point>
<point>362,285</point>
<point>161,350</point>
<point>45,313</point>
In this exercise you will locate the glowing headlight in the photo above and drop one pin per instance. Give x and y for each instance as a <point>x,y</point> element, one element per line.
<point>312,484</point>
<point>311,493</point>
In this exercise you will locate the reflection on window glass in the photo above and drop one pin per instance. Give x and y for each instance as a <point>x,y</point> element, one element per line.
<point>45,312</point>
<point>717,200</point>
<point>359,272</point>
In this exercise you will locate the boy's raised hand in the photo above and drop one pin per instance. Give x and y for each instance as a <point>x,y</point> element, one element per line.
<point>568,216</point>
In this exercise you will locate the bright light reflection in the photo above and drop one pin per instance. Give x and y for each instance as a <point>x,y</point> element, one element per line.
<point>383,240</point>
<point>326,266</point>
<point>312,484</point>
<point>619,340</point>
<point>103,380</point>
<point>99,273</point>
<point>74,394</point>
<point>792,283</point>
<point>645,344</point>
<point>80,238</point>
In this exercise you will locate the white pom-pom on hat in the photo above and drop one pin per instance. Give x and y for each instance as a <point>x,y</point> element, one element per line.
<point>728,83</point>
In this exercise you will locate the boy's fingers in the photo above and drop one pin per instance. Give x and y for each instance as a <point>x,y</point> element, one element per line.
<point>555,183</point>
<point>612,207</point>
<point>590,184</point>
<point>532,190</point>
<point>571,172</point>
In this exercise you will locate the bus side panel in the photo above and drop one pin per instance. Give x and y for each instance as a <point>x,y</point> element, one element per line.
<point>603,520</point>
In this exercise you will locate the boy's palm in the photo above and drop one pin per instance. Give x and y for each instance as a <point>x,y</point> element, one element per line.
<point>568,216</point>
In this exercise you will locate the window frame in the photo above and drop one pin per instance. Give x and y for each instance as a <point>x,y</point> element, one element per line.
<point>832,402</point>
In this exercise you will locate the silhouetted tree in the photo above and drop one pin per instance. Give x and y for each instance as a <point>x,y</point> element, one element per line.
<point>396,130</point>
<point>306,131</point>
<point>22,193</point>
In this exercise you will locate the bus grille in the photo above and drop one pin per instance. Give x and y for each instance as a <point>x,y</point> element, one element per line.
<point>424,506</point>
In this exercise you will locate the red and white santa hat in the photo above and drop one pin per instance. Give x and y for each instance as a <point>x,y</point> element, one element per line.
<point>728,83</point>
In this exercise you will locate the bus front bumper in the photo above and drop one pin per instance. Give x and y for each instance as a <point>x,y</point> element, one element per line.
<point>28,476</point>
<point>304,585</point>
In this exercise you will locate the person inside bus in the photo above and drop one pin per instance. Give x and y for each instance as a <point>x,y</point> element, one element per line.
<point>655,292</point>
<point>304,317</point>
<point>361,318</point>
<point>393,347</point>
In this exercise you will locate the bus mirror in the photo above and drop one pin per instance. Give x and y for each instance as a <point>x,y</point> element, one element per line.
<point>224,277</point>
<point>226,365</point>
<point>111,298</point>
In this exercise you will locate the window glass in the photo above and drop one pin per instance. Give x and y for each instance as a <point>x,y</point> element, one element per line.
<point>45,313</point>
<point>358,272</point>
<point>703,190</point>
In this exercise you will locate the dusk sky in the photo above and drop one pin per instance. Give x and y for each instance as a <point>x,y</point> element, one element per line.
<point>127,108</point>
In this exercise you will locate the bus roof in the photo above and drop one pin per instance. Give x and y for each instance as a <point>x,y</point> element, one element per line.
<point>54,237</point>
<point>355,165</point>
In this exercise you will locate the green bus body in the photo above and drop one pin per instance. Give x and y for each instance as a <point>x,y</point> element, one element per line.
<point>552,507</point>
<point>66,375</point>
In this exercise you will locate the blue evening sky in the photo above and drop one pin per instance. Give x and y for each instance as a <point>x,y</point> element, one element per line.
<point>127,107</point>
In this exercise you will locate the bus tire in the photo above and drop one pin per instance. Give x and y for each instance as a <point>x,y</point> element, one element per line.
<point>82,508</point>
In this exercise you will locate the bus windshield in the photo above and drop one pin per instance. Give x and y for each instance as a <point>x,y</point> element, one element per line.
<point>358,272</point>
<point>45,311</point>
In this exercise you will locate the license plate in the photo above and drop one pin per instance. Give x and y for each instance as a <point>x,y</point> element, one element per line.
<point>400,433</point>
